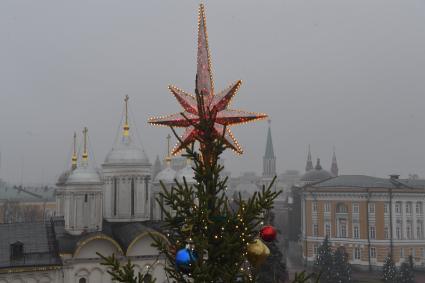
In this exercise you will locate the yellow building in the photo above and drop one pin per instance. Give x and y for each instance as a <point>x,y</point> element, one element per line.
<point>371,217</point>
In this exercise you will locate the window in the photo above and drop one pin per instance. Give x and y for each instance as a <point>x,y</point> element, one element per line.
<point>356,232</point>
<point>355,207</point>
<point>327,207</point>
<point>398,232</point>
<point>372,232</point>
<point>409,231</point>
<point>371,207</point>
<point>342,228</point>
<point>115,196</point>
<point>146,190</point>
<point>82,280</point>
<point>147,278</point>
<point>357,253</point>
<point>409,207</point>
<point>398,207</point>
<point>328,230</point>
<point>315,230</point>
<point>315,249</point>
<point>132,196</point>
<point>419,207</point>
<point>419,230</point>
<point>373,252</point>
<point>341,208</point>
<point>413,252</point>
<point>401,253</point>
<point>314,206</point>
<point>422,252</point>
<point>85,198</point>
<point>386,208</point>
<point>386,233</point>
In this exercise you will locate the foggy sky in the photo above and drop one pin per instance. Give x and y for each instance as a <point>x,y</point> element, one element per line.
<point>349,74</point>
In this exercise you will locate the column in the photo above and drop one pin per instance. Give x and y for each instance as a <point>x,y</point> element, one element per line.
<point>403,222</point>
<point>414,219</point>
<point>393,220</point>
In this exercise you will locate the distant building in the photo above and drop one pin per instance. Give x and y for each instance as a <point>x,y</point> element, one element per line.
<point>26,203</point>
<point>371,217</point>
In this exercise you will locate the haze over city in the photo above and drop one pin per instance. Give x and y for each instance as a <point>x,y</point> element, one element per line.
<point>328,73</point>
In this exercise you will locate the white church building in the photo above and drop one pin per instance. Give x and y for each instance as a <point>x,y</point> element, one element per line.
<point>108,210</point>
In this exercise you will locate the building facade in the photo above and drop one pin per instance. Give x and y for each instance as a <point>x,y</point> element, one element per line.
<point>370,217</point>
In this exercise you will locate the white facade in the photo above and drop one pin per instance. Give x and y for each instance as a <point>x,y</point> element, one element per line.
<point>127,193</point>
<point>84,264</point>
<point>80,201</point>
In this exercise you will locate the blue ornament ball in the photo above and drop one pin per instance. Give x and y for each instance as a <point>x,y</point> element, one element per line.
<point>184,258</point>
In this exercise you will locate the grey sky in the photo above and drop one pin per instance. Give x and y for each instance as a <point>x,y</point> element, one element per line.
<point>343,73</point>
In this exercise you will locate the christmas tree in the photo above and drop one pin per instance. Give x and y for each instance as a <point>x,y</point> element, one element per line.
<point>324,261</point>
<point>341,269</point>
<point>208,239</point>
<point>389,270</point>
<point>406,274</point>
<point>274,269</point>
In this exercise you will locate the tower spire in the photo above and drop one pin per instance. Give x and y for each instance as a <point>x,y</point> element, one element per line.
<point>334,167</point>
<point>85,153</point>
<point>269,159</point>
<point>126,127</point>
<point>309,164</point>
<point>74,158</point>
<point>168,157</point>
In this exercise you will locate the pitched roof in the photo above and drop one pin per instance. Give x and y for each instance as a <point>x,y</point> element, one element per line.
<point>363,181</point>
<point>38,243</point>
<point>269,154</point>
<point>29,194</point>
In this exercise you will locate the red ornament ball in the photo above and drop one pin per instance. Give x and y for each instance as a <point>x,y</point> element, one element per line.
<point>268,233</point>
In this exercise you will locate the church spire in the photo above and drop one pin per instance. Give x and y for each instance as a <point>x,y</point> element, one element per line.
<point>269,159</point>
<point>85,155</point>
<point>74,158</point>
<point>126,127</point>
<point>168,157</point>
<point>309,164</point>
<point>334,167</point>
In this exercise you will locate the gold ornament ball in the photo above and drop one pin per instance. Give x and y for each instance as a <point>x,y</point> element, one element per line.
<point>257,252</point>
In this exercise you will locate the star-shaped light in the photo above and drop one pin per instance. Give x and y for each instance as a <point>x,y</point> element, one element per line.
<point>214,104</point>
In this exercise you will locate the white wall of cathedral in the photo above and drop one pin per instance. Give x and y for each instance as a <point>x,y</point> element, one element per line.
<point>51,276</point>
<point>127,194</point>
<point>156,213</point>
<point>82,209</point>
<point>85,263</point>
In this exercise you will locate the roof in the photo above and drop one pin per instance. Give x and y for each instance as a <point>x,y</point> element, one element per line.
<point>84,174</point>
<point>317,174</point>
<point>27,194</point>
<point>363,181</point>
<point>188,173</point>
<point>269,154</point>
<point>122,232</point>
<point>38,243</point>
<point>167,175</point>
<point>128,153</point>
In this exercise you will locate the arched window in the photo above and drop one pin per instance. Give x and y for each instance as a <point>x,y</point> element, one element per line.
<point>341,208</point>
<point>147,278</point>
<point>82,280</point>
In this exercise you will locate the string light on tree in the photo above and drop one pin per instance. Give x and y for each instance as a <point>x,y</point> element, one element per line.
<point>213,106</point>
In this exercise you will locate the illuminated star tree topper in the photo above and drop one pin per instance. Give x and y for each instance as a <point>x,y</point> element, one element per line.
<point>205,105</point>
